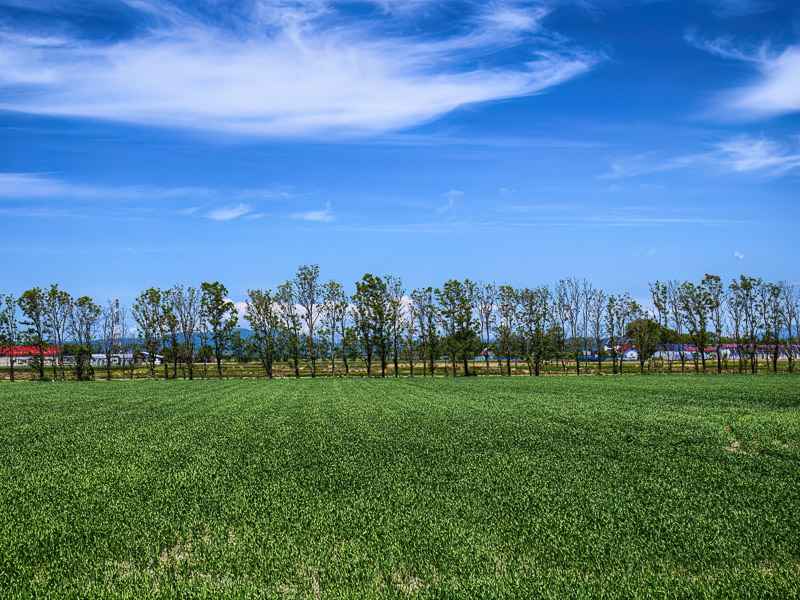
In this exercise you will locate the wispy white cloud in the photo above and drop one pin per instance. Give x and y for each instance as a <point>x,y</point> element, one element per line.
<point>56,191</point>
<point>739,8</point>
<point>775,89</point>
<point>748,154</point>
<point>40,186</point>
<point>228,213</point>
<point>281,68</point>
<point>321,216</point>
<point>745,154</point>
<point>739,255</point>
<point>451,200</point>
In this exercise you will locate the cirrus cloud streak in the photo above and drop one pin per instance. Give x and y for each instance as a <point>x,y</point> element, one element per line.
<point>284,69</point>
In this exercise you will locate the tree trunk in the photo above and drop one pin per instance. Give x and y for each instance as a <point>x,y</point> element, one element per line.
<point>703,357</point>
<point>466,366</point>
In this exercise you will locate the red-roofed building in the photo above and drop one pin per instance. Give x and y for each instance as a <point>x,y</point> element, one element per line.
<point>23,354</point>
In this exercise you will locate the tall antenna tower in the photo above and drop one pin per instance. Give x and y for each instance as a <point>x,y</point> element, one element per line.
<point>116,335</point>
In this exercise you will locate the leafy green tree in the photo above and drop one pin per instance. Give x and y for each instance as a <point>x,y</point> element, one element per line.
<point>772,318</point>
<point>83,330</point>
<point>33,305</point>
<point>371,314</point>
<point>643,332</point>
<point>696,305</point>
<point>221,316</point>
<point>239,347</point>
<point>262,314</point>
<point>744,295</point>
<point>534,307</point>
<point>9,327</point>
<point>425,312</point>
<point>618,312</point>
<point>455,309</point>
<point>149,316</point>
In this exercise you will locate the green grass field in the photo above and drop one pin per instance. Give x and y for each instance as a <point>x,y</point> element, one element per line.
<point>445,488</point>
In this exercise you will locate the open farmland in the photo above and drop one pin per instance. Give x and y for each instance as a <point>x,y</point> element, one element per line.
<point>467,487</point>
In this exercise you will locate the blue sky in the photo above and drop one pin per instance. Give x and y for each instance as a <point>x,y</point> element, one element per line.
<point>147,143</point>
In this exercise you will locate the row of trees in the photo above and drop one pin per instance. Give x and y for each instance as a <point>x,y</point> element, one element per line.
<point>305,320</point>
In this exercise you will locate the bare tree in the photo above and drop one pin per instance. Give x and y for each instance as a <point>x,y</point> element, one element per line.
<point>395,309</point>
<point>410,330</point>
<point>59,304</point>
<point>746,293</point>
<point>334,313</point>
<point>484,300</point>
<point>187,306</point>
<point>587,292</point>
<point>507,315</point>
<point>772,317</point>
<point>735,319</point>
<point>309,295</point>
<point>715,294</point>
<point>597,307</point>
<point>675,306</point>
<point>286,300</point>
<point>107,328</point>
<point>128,342</point>
<point>170,328</point>
<point>574,304</point>
<point>561,313</point>
<point>790,305</point>
<point>658,291</point>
